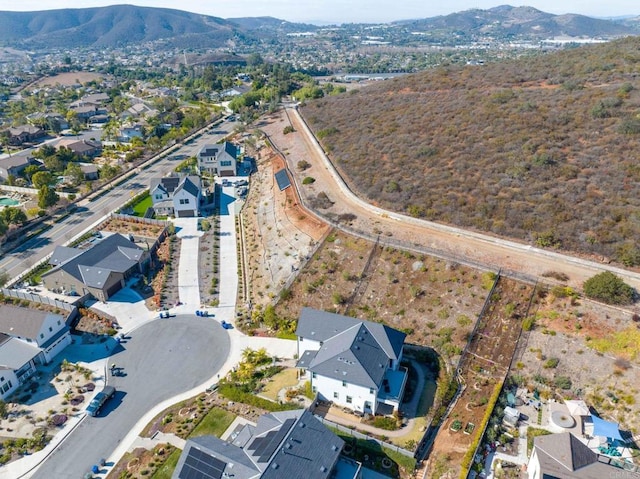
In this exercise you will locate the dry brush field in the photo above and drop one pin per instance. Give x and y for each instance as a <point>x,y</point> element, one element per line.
<point>543,150</point>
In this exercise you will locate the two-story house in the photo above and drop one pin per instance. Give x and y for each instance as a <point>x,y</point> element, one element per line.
<point>28,337</point>
<point>351,362</point>
<point>176,196</point>
<point>220,160</point>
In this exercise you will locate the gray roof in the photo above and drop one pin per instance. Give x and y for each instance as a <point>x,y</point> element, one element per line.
<point>321,325</point>
<point>288,444</point>
<point>23,158</point>
<point>23,322</point>
<point>168,183</point>
<point>15,353</point>
<point>353,356</point>
<point>190,184</point>
<point>217,150</point>
<point>114,253</point>
<point>564,456</point>
<point>353,350</point>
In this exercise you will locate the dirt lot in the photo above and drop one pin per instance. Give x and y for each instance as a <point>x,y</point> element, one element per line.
<point>434,301</point>
<point>484,368</point>
<point>69,79</point>
<point>278,236</point>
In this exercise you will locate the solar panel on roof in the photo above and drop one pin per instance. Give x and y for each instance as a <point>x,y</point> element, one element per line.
<point>200,465</point>
<point>282,178</point>
<point>275,441</point>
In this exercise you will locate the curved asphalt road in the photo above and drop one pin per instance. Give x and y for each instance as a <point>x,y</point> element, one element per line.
<point>162,359</point>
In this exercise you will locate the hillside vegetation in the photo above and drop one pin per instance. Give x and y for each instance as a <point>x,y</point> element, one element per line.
<point>544,149</point>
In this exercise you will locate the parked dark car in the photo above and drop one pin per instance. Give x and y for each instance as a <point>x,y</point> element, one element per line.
<point>101,398</point>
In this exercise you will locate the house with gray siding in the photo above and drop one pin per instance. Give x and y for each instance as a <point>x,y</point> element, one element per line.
<point>100,270</point>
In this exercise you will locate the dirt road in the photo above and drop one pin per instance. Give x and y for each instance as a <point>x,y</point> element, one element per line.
<point>467,247</point>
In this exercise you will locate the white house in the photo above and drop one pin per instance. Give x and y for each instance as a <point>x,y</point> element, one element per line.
<point>176,196</point>
<point>218,160</point>
<point>351,362</point>
<point>28,337</point>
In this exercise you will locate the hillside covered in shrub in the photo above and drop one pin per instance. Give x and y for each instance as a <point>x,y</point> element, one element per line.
<point>544,149</point>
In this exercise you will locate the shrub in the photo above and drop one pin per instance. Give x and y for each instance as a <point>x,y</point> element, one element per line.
<point>308,180</point>
<point>303,165</point>
<point>563,382</point>
<point>608,288</point>
<point>528,323</point>
<point>551,363</point>
<point>288,129</point>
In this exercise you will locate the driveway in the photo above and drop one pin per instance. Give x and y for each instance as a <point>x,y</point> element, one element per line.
<point>188,281</point>
<point>128,307</point>
<point>160,360</point>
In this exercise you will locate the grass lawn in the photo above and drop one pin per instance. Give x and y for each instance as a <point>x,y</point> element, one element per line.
<point>140,208</point>
<point>166,470</point>
<point>214,423</point>
<point>285,378</point>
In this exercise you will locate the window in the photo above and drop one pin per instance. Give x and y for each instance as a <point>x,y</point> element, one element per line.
<point>370,390</point>
<point>301,339</point>
<point>336,395</point>
<point>314,389</point>
<point>50,329</point>
<point>58,322</point>
<point>313,375</point>
<point>225,163</point>
<point>344,384</point>
<point>158,197</point>
<point>184,201</point>
<point>349,399</point>
<point>2,379</point>
<point>41,335</point>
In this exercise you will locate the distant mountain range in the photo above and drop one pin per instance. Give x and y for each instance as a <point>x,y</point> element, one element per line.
<point>122,25</point>
<point>505,21</point>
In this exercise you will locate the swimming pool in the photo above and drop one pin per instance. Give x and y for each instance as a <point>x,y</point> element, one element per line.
<point>5,201</point>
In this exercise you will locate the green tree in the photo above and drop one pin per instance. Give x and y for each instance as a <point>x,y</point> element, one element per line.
<point>75,173</point>
<point>47,197</point>
<point>608,288</point>
<point>41,178</point>
<point>13,216</point>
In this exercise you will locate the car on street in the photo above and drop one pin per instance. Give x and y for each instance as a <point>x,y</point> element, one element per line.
<point>101,398</point>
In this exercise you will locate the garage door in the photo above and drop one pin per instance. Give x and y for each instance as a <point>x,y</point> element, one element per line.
<point>113,289</point>
<point>186,214</point>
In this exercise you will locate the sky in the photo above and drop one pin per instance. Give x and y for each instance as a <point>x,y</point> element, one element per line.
<point>340,11</point>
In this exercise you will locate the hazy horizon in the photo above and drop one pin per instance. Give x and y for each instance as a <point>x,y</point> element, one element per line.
<point>334,11</point>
